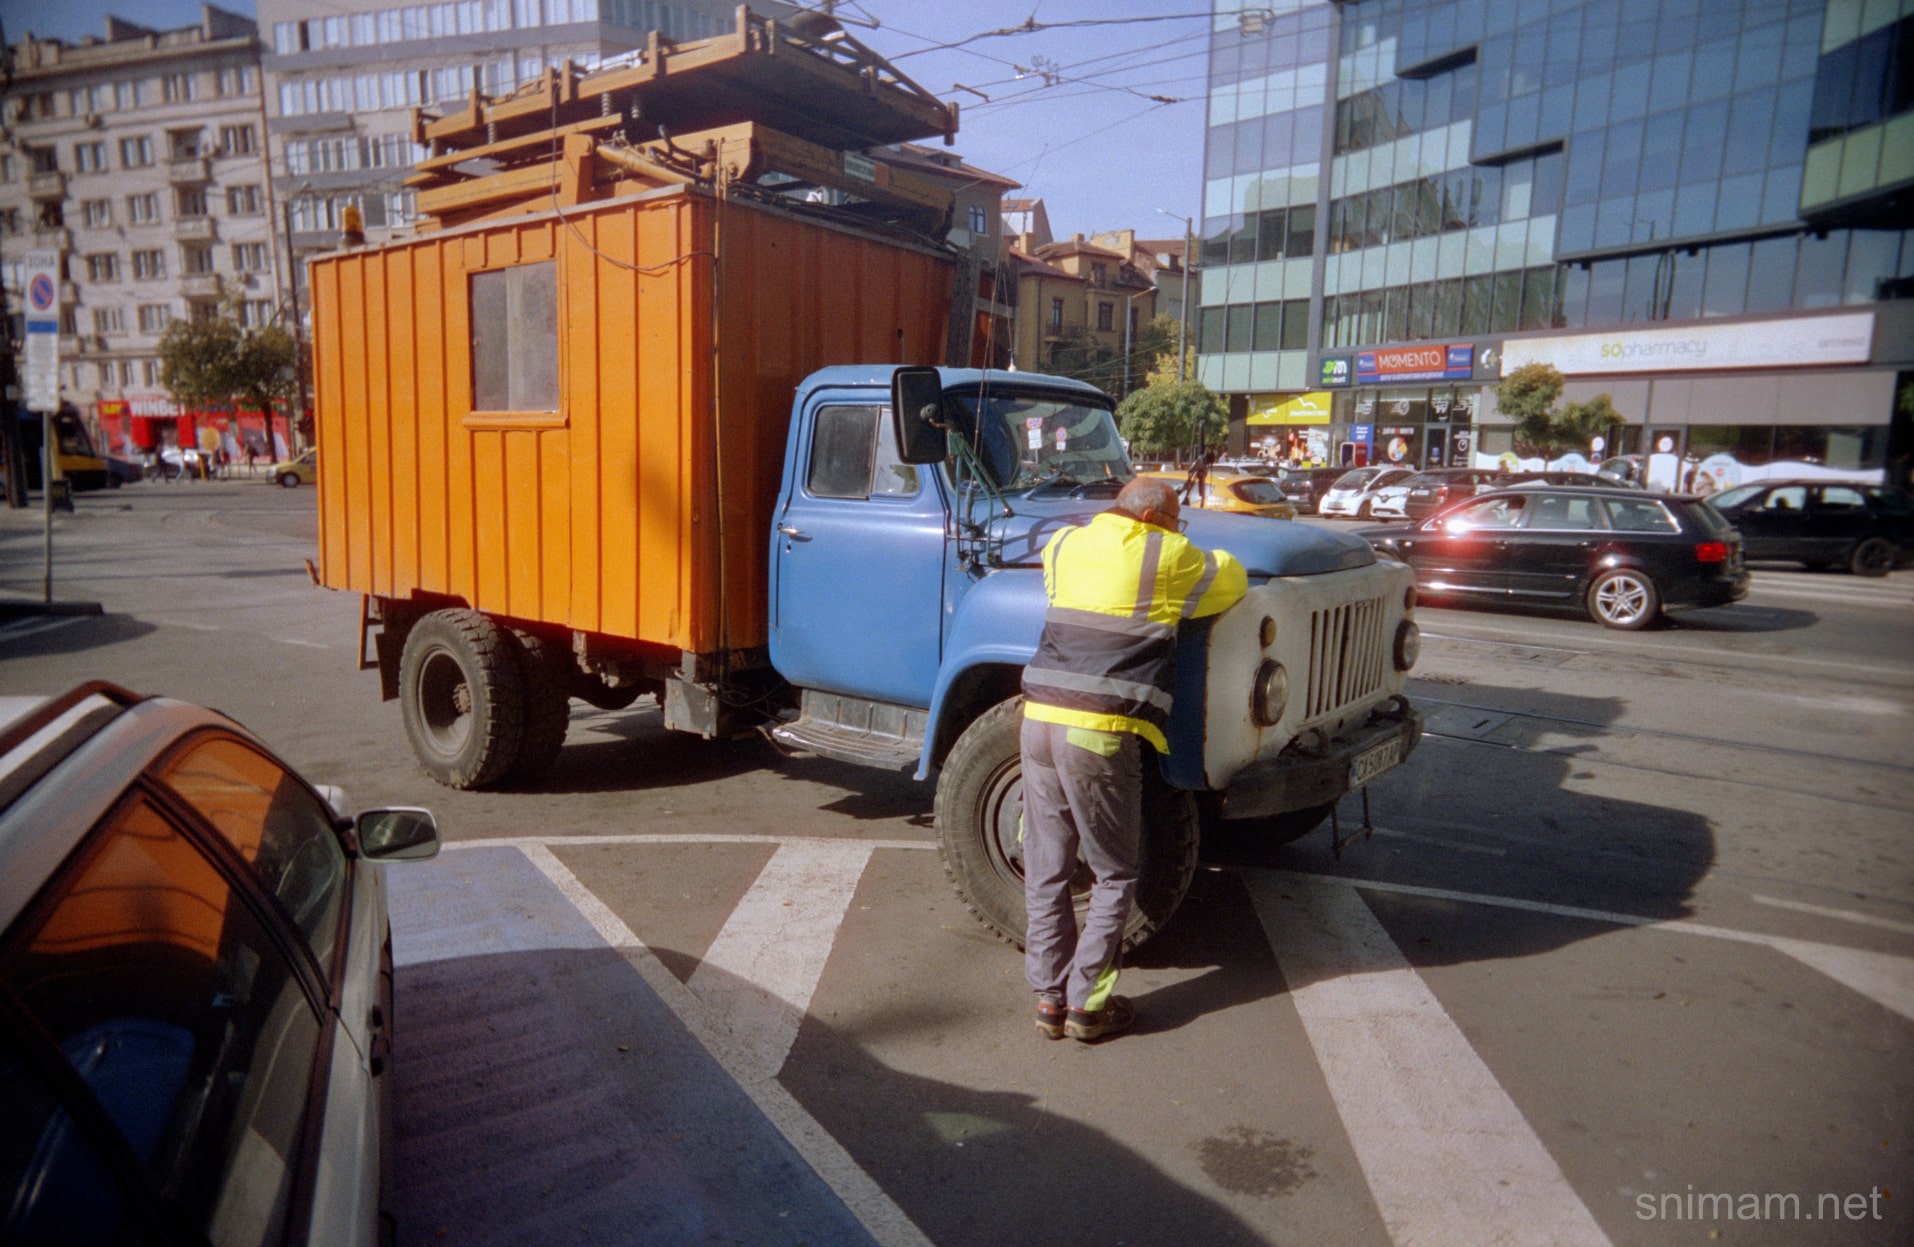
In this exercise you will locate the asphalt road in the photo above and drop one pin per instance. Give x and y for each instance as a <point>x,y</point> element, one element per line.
<point>1629,959</point>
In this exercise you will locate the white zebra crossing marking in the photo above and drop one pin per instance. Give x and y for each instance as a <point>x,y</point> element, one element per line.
<point>758,975</point>
<point>875,1210</point>
<point>1448,1156</point>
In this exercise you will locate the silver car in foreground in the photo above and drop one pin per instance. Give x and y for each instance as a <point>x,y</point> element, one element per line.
<point>195,983</point>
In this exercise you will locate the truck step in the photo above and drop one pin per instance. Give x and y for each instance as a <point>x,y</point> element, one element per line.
<point>853,729</point>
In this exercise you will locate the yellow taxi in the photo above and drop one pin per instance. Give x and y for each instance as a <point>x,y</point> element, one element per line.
<point>296,471</point>
<point>1235,492</point>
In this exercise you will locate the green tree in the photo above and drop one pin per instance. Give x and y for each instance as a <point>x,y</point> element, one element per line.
<point>1531,394</point>
<point>1165,418</point>
<point>217,363</point>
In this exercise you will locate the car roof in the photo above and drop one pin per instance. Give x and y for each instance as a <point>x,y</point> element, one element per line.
<point>1599,491</point>
<point>64,762</point>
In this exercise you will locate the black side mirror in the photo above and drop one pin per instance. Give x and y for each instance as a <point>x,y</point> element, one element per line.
<point>398,834</point>
<point>917,405</point>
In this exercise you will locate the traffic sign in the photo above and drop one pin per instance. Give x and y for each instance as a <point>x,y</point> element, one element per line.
<point>42,272</point>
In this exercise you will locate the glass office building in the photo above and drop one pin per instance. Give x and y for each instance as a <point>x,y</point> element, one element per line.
<point>1699,208</point>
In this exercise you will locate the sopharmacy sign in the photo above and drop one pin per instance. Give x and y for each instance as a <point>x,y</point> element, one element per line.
<point>1770,344</point>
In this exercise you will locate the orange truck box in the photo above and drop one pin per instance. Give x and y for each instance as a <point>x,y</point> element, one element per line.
<point>639,507</point>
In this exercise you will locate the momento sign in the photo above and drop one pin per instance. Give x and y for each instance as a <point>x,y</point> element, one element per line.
<point>1416,363</point>
<point>1843,339</point>
<point>1310,408</point>
<point>41,274</point>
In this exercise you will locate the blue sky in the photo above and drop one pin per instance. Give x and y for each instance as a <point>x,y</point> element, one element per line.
<point>1066,113</point>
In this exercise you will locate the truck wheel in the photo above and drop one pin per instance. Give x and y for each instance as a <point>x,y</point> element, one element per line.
<point>1873,557</point>
<point>979,816</point>
<point>544,671</point>
<point>462,698</point>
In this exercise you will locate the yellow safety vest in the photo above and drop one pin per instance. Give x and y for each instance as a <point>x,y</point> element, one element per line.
<point>1117,589</point>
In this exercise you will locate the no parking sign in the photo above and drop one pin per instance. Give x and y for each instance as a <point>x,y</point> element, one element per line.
<point>41,269</point>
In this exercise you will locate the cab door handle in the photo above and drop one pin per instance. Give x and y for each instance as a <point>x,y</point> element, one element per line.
<point>789,531</point>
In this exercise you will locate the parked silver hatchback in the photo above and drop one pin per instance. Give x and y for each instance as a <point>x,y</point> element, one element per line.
<point>195,983</point>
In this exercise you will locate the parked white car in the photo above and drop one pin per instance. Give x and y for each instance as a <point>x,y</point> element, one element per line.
<point>1354,493</point>
<point>1391,502</point>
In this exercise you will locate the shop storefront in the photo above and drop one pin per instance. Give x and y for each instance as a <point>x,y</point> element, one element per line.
<point>1413,406</point>
<point>138,426</point>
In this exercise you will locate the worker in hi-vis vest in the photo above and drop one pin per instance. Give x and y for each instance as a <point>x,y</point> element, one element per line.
<point>1097,690</point>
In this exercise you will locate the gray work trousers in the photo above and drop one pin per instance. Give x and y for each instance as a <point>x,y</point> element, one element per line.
<point>1078,799</point>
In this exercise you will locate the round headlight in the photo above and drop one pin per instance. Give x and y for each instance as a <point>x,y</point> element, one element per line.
<point>1269,694</point>
<point>1408,645</point>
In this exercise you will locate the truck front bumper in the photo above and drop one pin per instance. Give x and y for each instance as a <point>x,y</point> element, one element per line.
<point>1303,776</point>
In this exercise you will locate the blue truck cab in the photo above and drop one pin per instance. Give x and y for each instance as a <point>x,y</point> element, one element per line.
<point>906,593</point>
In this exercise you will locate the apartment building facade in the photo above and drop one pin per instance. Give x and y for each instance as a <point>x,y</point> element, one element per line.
<point>1696,208</point>
<point>137,158</point>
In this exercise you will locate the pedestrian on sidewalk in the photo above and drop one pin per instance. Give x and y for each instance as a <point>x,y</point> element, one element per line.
<point>1099,686</point>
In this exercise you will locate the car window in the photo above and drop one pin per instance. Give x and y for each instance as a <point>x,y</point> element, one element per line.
<point>1841,498</point>
<point>277,825</point>
<point>53,1182</point>
<point>1356,479</point>
<point>1729,498</point>
<point>1502,512</point>
<point>1787,498</point>
<point>1258,492</point>
<point>1638,515</point>
<point>1565,511</point>
<point>163,989</point>
<point>1891,501</point>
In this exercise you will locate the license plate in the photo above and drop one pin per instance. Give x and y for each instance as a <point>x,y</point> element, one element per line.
<point>1373,762</point>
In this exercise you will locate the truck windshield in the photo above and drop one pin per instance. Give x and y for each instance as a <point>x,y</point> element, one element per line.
<point>1028,440</point>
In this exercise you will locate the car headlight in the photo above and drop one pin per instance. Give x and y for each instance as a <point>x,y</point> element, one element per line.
<point>1408,645</point>
<point>1269,693</point>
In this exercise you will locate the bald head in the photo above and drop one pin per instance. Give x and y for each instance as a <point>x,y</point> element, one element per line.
<point>1151,500</point>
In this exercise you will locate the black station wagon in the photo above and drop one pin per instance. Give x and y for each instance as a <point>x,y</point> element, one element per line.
<point>1621,555</point>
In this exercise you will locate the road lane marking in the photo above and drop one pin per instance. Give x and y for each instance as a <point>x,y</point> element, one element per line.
<point>1448,1156</point>
<point>760,971</point>
<point>1885,979</point>
<point>1845,915</point>
<point>669,837</point>
<point>23,629</point>
<point>876,1211</point>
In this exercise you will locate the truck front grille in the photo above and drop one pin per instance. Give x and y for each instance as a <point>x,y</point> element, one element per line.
<point>1348,659</point>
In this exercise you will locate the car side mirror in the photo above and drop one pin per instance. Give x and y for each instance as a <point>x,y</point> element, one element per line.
<point>917,405</point>
<point>397,834</point>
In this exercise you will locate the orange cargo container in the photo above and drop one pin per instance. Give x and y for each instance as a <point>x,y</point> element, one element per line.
<point>628,493</point>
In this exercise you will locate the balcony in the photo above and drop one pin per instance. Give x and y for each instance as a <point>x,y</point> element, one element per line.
<point>56,237</point>
<point>201,286</point>
<point>48,185</point>
<point>189,170</point>
<point>194,229</point>
<point>69,293</point>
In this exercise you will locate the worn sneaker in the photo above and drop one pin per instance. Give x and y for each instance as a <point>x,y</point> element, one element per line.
<point>1115,1017</point>
<point>1050,1019</point>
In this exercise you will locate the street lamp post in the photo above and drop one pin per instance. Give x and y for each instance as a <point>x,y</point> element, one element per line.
<point>1183,321</point>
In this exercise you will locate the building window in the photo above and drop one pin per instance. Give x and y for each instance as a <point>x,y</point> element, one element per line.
<point>1056,313</point>
<point>979,221</point>
<point>190,201</point>
<point>243,200</point>
<point>255,313</point>
<point>250,257</point>
<point>43,160</point>
<point>136,152</point>
<point>104,267</point>
<point>108,320</point>
<point>237,141</point>
<point>154,317</point>
<point>178,88</point>
<point>1106,316</point>
<point>198,258</point>
<point>97,213</point>
<point>150,371</point>
<point>142,209</point>
<point>89,157</point>
<point>128,94</point>
<point>149,265</point>
<point>9,221</point>
<point>182,144</point>
<point>287,38</point>
<point>9,170</point>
